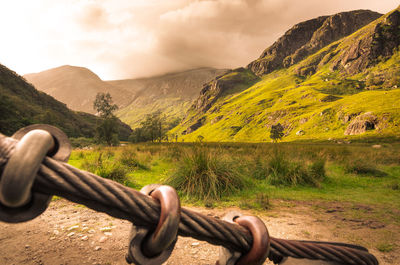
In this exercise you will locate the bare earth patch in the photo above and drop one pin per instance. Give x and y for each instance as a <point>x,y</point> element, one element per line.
<point>68,233</point>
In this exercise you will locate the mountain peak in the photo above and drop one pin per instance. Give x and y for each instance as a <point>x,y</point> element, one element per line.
<point>308,37</point>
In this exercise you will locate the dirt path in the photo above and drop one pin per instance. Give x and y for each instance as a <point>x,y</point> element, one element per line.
<point>71,234</point>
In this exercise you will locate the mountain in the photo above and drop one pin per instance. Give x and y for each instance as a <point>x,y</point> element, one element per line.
<point>21,105</point>
<point>76,86</point>
<point>172,93</point>
<point>308,37</point>
<point>329,77</point>
<point>169,93</point>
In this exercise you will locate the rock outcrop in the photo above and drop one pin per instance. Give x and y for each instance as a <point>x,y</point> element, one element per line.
<point>377,43</point>
<point>361,124</point>
<point>233,81</point>
<point>308,37</point>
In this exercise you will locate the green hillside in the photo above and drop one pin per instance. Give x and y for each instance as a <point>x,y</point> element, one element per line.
<point>348,89</point>
<point>172,94</point>
<point>21,105</point>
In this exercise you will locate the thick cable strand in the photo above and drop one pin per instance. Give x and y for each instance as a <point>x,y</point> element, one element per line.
<point>103,195</point>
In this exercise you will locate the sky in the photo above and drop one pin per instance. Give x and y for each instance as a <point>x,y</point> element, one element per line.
<point>120,39</point>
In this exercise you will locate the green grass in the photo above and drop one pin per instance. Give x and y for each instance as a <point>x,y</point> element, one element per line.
<point>167,161</point>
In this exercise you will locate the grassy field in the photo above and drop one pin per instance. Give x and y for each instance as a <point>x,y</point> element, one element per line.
<point>355,184</point>
<point>247,174</point>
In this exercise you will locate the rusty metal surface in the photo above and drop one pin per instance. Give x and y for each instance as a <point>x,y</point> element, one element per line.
<point>155,247</point>
<point>261,242</point>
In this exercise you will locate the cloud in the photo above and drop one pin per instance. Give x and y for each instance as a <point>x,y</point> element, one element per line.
<point>133,38</point>
<point>94,17</point>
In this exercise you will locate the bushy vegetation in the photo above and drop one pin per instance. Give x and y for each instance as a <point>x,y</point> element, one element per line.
<point>291,173</point>
<point>203,174</point>
<point>362,167</point>
<point>153,128</point>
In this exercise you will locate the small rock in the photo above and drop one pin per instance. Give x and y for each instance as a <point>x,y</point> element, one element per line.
<point>91,231</point>
<point>73,227</point>
<point>97,248</point>
<point>195,244</point>
<point>377,146</point>
<point>105,229</point>
<point>56,232</point>
<point>84,238</point>
<point>103,239</point>
<point>108,233</point>
<point>52,238</point>
<point>85,228</point>
<point>71,234</point>
<point>27,246</point>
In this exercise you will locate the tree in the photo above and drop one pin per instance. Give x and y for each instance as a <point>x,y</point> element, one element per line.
<point>200,138</point>
<point>104,105</point>
<point>154,127</point>
<point>106,131</point>
<point>276,132</point>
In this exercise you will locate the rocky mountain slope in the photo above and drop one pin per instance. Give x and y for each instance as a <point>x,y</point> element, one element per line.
<point>21,104</point>
<point>308,37</point>
<point>323,79</point>
<point>172,94</point>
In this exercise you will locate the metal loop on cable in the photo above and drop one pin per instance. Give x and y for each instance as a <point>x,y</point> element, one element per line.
<point>17,203</point>
<point>261,242</point>
<point>62,146</point>
<point>154,248</point>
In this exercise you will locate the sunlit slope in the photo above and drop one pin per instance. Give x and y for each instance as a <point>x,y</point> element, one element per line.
<point>332,93</point>
<point>171,94</point>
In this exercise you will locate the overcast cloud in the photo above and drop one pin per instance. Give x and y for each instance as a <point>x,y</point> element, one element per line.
<point>133,38</point>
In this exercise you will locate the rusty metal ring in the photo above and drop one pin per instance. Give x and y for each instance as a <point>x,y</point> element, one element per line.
<point>147,247</point>
<point>20,171</point>
<point>261,242</point>
<point>62,146</point>
<point>17,204</point>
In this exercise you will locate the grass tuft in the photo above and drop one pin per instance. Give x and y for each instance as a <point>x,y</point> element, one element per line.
<point>284,172</point>
<point>130,159</point>
<point>361,167</point>
<point>205,175</point>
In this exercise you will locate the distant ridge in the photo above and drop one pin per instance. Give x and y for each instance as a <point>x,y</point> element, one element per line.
<point>75,86</point>
<point>170,93</point>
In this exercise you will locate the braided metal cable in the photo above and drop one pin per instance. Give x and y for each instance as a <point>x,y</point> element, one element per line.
<point>103,195</point>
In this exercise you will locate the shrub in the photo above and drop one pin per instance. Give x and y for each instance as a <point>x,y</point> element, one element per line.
<point>360,167</point>
<point>113,171</point>
<point>290,173</point>
<point>204,175</point>
<point>130,159</point>
<point>260,169</point>
<point>317,169</point>
<point>81,142</point>
<point>105,168</point>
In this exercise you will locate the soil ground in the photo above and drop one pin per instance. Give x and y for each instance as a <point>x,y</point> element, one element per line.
<point>68,233</point>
